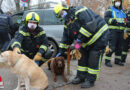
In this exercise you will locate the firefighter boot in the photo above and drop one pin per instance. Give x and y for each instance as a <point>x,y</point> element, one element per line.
<point>87,84</point>
<point>108,63</point>
<point>77,80</point>
<point>118,62</point>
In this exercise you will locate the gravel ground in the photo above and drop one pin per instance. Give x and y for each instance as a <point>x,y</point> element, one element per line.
<point>115,78</point>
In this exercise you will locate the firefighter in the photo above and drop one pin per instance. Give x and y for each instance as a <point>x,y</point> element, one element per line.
<point>115,18</point>
<point>6,24</point>
<point>90,33</point>
<point>126,37</point>
<point>31,39</point>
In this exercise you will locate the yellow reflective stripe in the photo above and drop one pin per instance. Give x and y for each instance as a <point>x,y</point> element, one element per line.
<point>128,29</point>
<point>43,47</point>
<point>93,71</point>
<point>124,53</point>
<point>24,33</point>
<point>100,60</point>
<point>114,14</point>
<point>120,20</point>
<point>80,68</point>
<point>118,57</point>
<point>110,20</point>
<point>108,58</point>
<point>15,44</point>
<point>85,32</point>
<point>65,26</point>
<point>96,36</point>
<point>64,45</point>
<point>116,27</point>
<point>109,10</point>
<point>80,10</point>
<point>128,15</point>
<point>40,33</point>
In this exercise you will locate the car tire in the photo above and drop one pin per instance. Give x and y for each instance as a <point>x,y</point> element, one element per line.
<point>52,46</point>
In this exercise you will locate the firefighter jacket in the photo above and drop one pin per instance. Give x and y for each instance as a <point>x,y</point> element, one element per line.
<point>31,42</point>
<point>6,22</point>
<point>113,14</point>
<point>82,23</point>
<point>128,22</point>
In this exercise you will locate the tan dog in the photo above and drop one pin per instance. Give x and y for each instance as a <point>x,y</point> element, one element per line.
<point>57,66</point>
<point>25,68</point>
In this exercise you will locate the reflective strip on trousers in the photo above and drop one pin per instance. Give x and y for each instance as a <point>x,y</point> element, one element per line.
<point>64,45</point>
<point>15,44</point>
<point>85,32</point>
<point>118,57</point>
<point>96,36</point>
<point>124,53</point>
<point>93,71</point>
<point>84,69</point>
<point>43,47</point>
<point>108,58</point>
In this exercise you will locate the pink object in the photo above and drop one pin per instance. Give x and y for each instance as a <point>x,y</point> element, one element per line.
<point>77,46</point>
<point>1,83</point>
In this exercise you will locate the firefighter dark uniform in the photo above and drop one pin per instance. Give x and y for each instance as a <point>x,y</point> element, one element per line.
<point>31,43</point>
<point>6,24</point>
<point>115,19</point>
<point>83,24</point>
<point>126,38</point>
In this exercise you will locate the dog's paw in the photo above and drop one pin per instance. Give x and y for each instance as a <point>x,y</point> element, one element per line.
<point>55,79</point>
<point>65,79</point>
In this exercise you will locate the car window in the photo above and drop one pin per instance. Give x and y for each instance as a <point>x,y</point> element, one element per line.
<point>17,19</point>
<point>50,18</point>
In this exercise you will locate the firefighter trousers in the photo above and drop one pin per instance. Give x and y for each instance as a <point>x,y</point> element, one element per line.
<point>115,43</point>
<point>125,49</point>
<point>89,64</point>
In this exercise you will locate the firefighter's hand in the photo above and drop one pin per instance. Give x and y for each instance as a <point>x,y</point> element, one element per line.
<point>78,44</point>
<point>37,57</point>
<point>126,35</point>
<point>17,50</point>
<point>108,50</point>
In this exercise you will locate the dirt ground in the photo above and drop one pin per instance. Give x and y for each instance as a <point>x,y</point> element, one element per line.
<point>115,78</point>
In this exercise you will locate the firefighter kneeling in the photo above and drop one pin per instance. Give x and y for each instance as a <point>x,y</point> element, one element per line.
<point>90,32</point>
<point>31,39</point>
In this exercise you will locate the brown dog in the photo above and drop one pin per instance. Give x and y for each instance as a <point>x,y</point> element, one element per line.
<point>57,66</point>
<point>25,69</point>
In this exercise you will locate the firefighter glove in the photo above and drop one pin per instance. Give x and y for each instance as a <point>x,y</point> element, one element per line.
<point>126,35</point>
<point>37,57</point>
<point>78,44</point>
<point>17,50</point>
<point>108,50</point>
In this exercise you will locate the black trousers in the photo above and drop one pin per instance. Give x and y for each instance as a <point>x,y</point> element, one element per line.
<point>125,49</point>
<point>89,64</point>
<point>4,39</point>
<point>115,43</point>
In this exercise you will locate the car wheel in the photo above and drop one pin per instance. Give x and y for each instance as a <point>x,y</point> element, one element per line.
<point>53,48</point>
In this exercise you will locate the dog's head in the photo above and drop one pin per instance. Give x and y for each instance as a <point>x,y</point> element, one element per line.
<point>8,57</point>
<point>59,61</point>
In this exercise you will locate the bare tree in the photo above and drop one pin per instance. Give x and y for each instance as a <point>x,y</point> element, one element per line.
<point>17,3</point>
